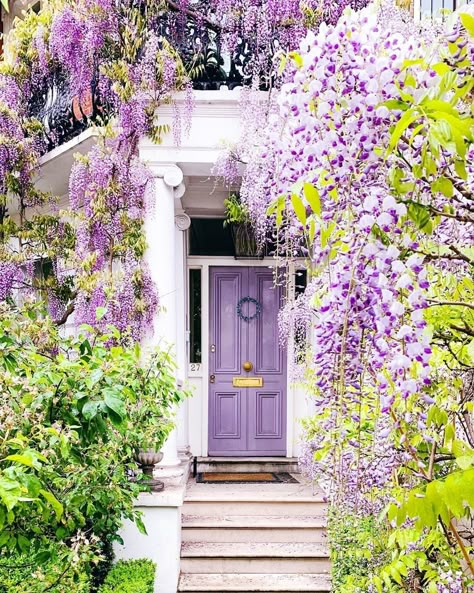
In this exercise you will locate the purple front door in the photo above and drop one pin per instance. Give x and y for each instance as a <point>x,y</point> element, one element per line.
<point>246,421</point>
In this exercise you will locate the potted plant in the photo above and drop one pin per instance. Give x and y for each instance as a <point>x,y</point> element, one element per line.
<point>243,235</point>
<point>148,455</point>
<point>151,413</point>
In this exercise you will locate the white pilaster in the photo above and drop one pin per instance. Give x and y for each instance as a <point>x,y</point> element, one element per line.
<point>182,224</point>
<point>416,10</point>
<point>163,264</point>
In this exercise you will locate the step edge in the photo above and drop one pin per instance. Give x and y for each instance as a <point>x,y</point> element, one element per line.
<point>254,498</point>
<point>203,526</point>
<point>240,556</point>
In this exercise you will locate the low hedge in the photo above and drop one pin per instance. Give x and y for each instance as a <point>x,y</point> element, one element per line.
<point>24,574</point>
<point>130,576</point>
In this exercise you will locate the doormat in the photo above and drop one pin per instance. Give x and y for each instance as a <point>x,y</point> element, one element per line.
<point>245,478</point>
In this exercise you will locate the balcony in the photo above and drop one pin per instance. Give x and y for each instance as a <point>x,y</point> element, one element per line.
<point>64,116</point>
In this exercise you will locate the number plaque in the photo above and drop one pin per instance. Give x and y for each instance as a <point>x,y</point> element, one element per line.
<point>247,382</point>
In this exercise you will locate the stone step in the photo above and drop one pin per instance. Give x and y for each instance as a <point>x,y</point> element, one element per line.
<point>252,550</point>
<point>261,493</point>
<point>253,521</point>
<point>247,464</point>
<point>253,505</point>
<point>277,535</point>
<point>237,528</point>
<point>255,565</point>
<point>226,558</point>
<point>281,583</point>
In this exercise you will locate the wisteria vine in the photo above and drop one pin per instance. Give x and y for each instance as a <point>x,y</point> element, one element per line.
<point>357,172</point>
<point>120,48</point>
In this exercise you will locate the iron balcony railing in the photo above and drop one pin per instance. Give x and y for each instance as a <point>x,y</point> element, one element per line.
<point>64,115</point>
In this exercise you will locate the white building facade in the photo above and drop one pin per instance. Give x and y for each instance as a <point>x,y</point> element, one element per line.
<point>218,312</point>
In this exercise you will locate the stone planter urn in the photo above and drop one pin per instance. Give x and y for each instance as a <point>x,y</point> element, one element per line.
<point>147,459</point>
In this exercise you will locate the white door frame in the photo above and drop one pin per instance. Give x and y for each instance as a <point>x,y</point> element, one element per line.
<point>203,263</point>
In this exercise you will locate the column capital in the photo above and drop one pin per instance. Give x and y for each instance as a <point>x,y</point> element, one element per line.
<point>169,172</point>
<point>182,221</point>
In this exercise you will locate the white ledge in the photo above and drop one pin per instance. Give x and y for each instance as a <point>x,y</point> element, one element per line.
<point>172,496</point>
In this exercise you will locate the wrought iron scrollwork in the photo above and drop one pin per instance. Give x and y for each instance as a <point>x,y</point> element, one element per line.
<point>199,43</point>
<point>63,114</point>
<point>200,46</point>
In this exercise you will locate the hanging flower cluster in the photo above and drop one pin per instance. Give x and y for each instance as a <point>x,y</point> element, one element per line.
<point>365,168</point>
<point>115,48</point>
<point>111,46</point>
<point>336,127</point>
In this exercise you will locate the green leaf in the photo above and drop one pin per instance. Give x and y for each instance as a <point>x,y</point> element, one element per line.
<point>279,211</point>
<point>460,168</point>
<point>54,502</point>
<point>296,57</point>
<point>403,123</point>
<point>420,216</point>
<point>437,105</point>
<point>441,68</point>
<point>24,459</point>
<point>100,312</point>
<point>465,461</point>
<point>93,378</point>
<point>443,185</point>
<point>90,410</point>
<point>10,492</point>
<point>140,524</point>
<point>396,105</point>
<point>468,22</point>
<point>23,543</point>
<point>4,537</point>
<point>299,208</point>
<point>313,198</point>
<point>115,403</point>
<point>282,64</point>
<point>6,5</point>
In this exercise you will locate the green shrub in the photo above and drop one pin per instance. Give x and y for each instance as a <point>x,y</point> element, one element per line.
<point>72,413</point>
<point>130,576</point>
<point>358,550</point>
<point>30,574</point>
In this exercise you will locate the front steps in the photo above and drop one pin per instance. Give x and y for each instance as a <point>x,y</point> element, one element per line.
<point>281,583</point>
<point>246,464</point>
<point>259,537</point>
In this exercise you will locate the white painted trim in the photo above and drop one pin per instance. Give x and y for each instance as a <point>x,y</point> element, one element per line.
<point>290,388</point>
<point>200,260</point>
<point>205,310</point>
<point>417,10</point>
<point>88,134</point>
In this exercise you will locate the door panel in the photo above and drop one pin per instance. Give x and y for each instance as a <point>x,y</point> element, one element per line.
<point>228,415</point>
<point>267,415</point>
<point>266,355</point>
<point>227,328</point>
<point>245,420</point>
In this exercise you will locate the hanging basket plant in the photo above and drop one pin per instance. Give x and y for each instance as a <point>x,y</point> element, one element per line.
<point>246,244</point>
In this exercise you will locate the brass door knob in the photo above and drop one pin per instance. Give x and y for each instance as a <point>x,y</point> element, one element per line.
<point>247,366</point>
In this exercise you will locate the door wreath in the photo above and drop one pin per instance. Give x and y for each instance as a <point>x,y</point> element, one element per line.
<point>247,318</point>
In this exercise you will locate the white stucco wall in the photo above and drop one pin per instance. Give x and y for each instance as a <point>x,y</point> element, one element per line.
<point>162,544</point>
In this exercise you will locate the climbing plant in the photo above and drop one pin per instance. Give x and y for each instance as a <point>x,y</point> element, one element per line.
<point>92,255</point>
<point>367,165</point>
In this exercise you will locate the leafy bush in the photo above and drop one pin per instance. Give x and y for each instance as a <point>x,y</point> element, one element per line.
<point>130,576</point>
<point>60,574</point>
<point>73,411</point>
<point>358,550</point>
